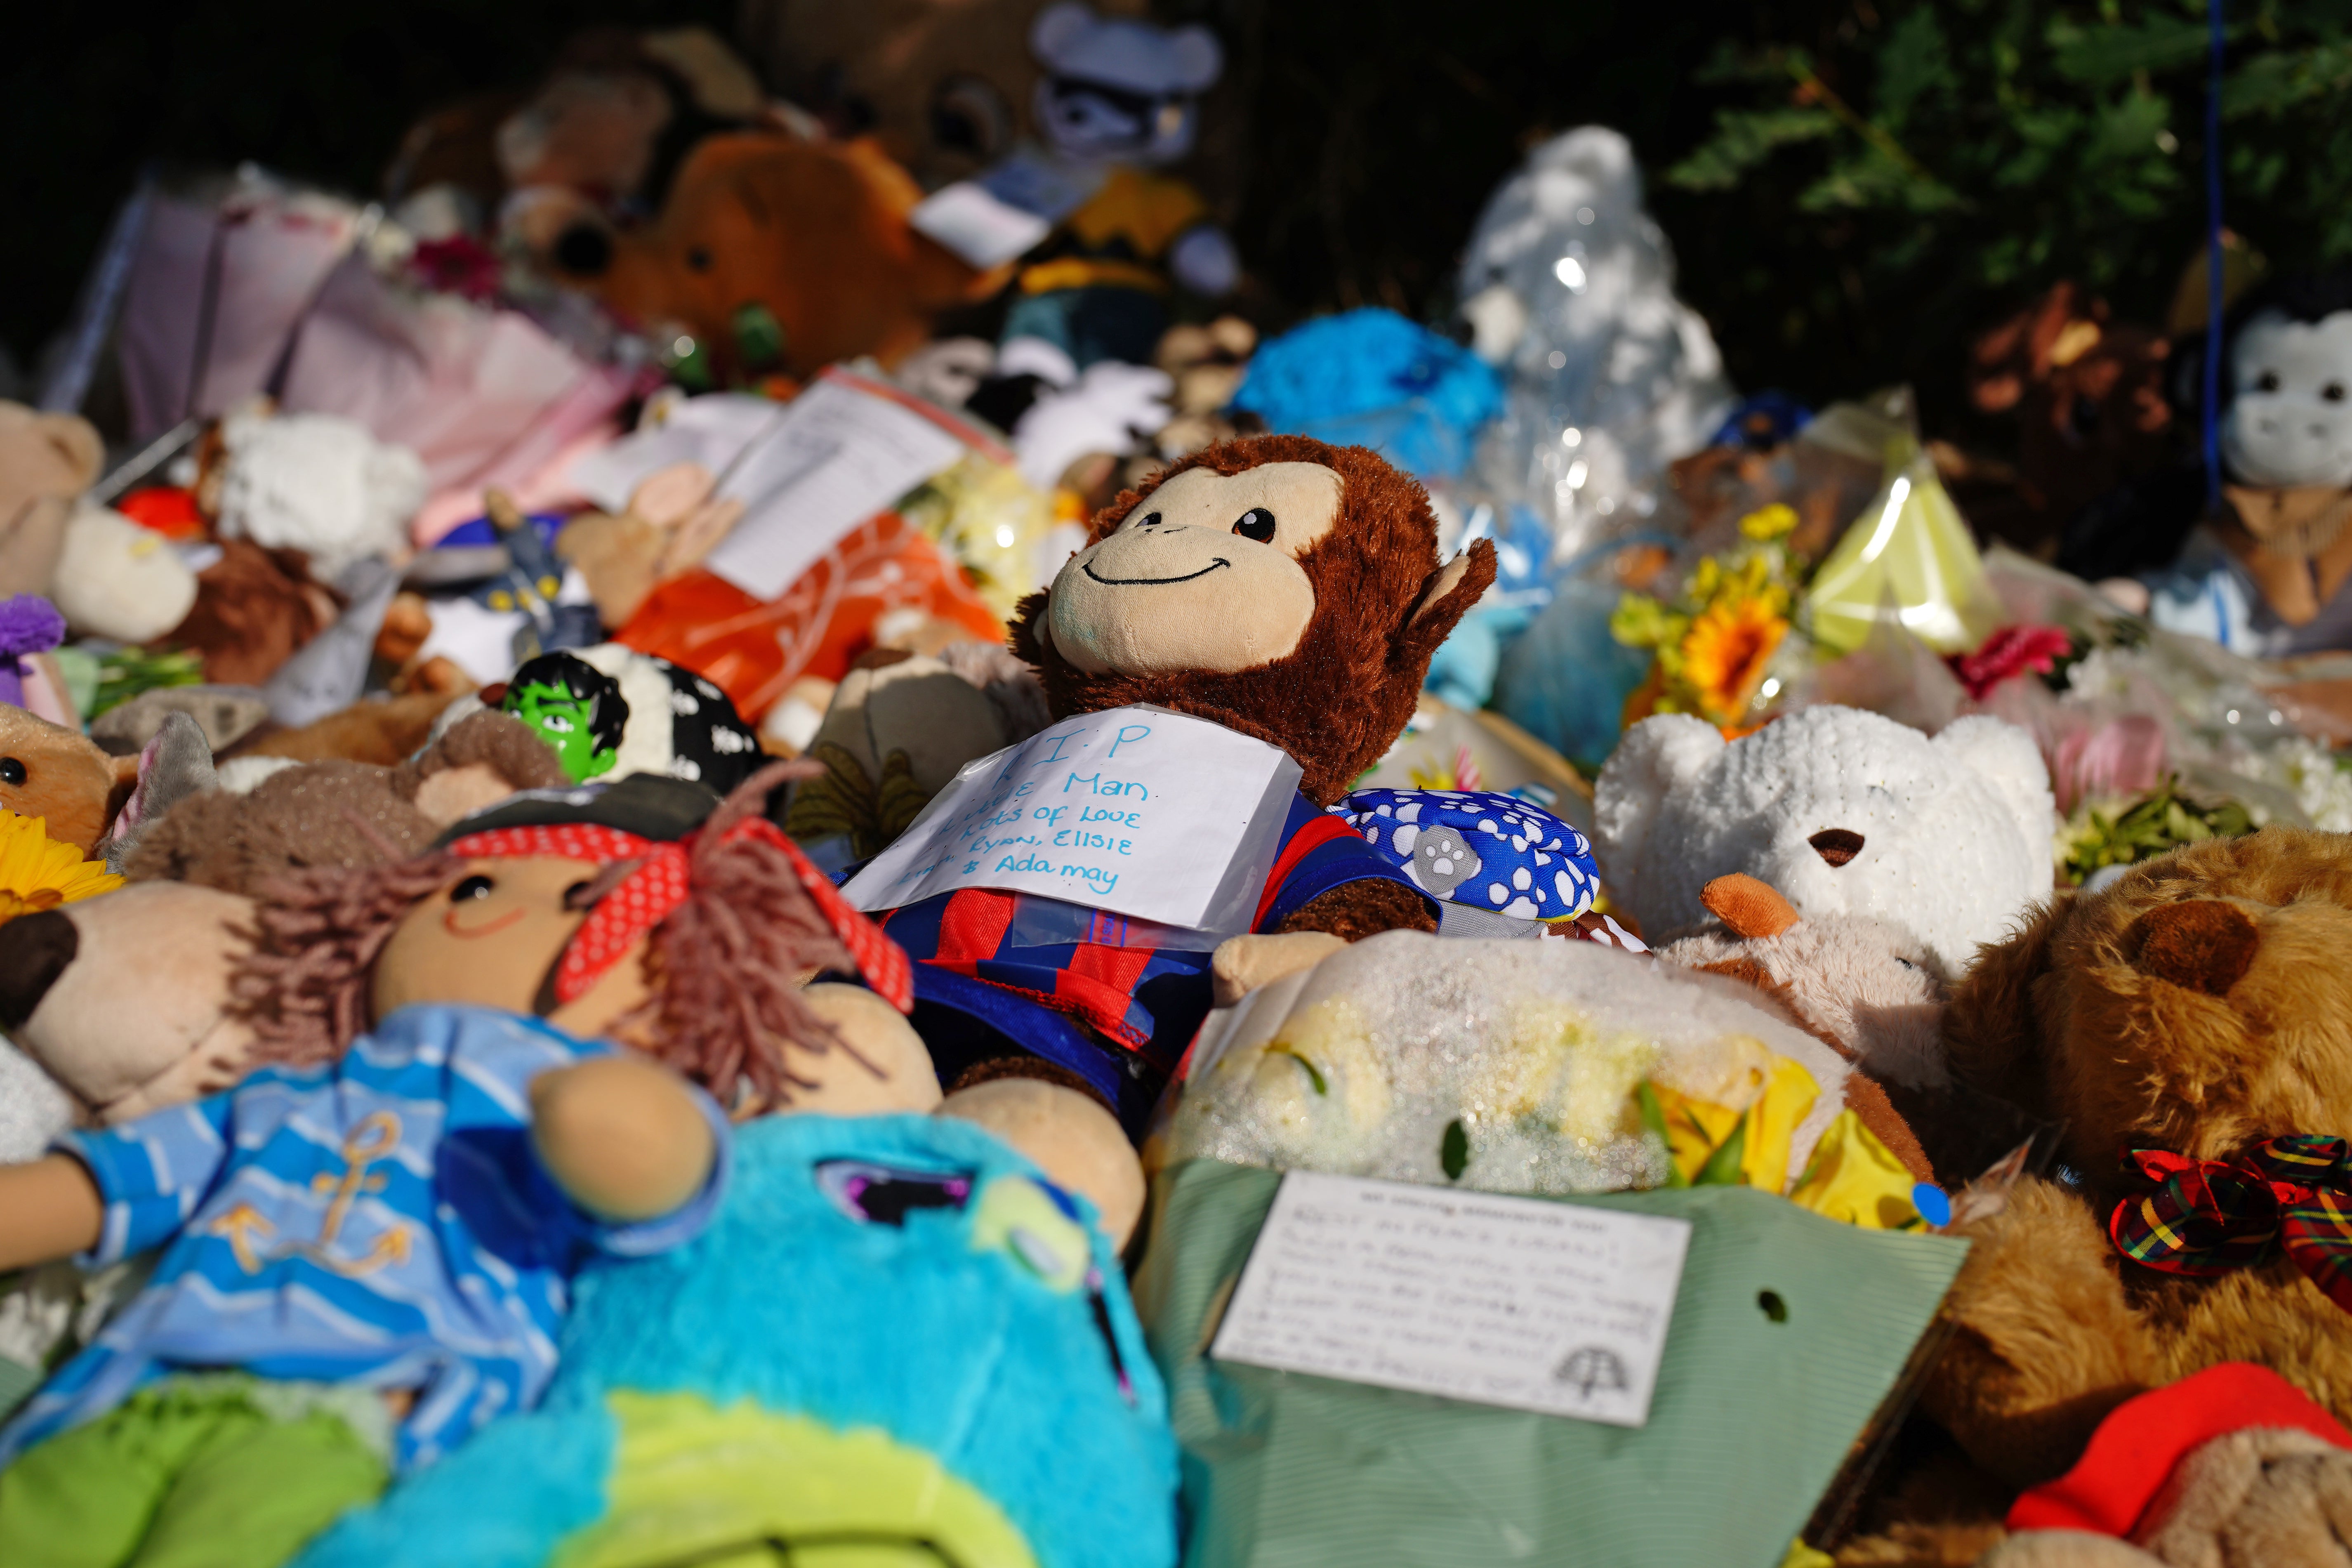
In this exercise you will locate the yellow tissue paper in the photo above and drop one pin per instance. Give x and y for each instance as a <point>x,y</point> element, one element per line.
<point>1856,1180</point>
<point>1909,550</point>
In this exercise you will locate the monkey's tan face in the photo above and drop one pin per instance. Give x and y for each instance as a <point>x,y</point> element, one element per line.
<point>1202,575</point>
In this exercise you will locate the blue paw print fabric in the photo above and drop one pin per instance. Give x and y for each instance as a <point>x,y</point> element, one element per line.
<point>1491,852</point>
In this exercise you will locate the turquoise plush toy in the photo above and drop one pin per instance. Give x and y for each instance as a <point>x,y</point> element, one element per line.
<point>897,1345</point>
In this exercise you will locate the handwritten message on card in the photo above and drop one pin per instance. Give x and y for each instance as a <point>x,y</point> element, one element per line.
<point>1549,1307</point>
<point>1140,811</point>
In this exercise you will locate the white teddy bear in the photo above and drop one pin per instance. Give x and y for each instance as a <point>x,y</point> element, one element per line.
<point>1840,811</point>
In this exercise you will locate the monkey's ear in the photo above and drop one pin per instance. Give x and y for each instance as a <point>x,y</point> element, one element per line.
<point>1446,599</point>
<point>1028,640</point>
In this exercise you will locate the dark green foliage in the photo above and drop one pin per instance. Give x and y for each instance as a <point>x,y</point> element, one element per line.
<point>1909,171</point>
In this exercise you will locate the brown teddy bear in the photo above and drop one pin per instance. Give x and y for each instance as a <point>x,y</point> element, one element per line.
<point>2191,1028</point>
<point>815,232</point>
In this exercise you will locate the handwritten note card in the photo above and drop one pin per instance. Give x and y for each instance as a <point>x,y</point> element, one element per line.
<point>806,471</point>
<point>837,454</point>
<point>1549,1307</point>
<point>1140,811</point>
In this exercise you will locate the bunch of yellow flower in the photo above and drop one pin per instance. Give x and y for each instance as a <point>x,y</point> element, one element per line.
<point>1715,644</point>
<point>37,872</point>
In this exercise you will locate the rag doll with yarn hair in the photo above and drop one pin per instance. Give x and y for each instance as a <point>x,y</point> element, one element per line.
<point>450,1122</point>
<point>691,938</point>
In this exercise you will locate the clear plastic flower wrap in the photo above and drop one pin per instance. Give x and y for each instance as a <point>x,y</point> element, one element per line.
<point>1515,1066</point>
<point>1567,286</point>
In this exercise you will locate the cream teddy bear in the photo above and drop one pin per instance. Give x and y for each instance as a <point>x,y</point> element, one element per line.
<point>1841,811</point>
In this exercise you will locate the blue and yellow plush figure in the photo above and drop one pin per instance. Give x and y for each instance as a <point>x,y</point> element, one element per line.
<point>897,1345</point>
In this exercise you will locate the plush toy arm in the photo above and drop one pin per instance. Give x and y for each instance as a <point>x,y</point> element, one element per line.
<point>2048,1345</point>
<point>1243,963</point>
<point>1354,910</point>
<point>623,1136</point>
<point>48,1209</point>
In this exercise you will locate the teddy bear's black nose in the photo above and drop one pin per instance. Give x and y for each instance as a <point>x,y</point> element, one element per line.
<point>34,951</point>
<point>1836,845</point>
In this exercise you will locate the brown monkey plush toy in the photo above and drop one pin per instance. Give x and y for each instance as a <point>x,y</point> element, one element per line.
<point>1285,589</point>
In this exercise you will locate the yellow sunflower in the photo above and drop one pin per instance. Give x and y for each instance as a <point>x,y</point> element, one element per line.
<point>37,872</point>
<point>1725,653</point>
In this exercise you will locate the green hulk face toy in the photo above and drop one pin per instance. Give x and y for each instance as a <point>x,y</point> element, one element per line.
<point>576,709</point>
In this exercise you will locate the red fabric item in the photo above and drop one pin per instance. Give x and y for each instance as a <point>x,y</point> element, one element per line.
<point>754,649</point>
<point>167,509</point>
<point>659,884</point>
<point>971,926</point>
<point>1314,835</point>
<point>2144,1440</point>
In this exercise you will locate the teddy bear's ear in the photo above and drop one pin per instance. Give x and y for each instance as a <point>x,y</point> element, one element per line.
<point>1194,58</point>
<point>2005,757</point>
<point>78,445</point>
<point>1028,632</point>
<point>1057,31</point>
<point>1657,756</point>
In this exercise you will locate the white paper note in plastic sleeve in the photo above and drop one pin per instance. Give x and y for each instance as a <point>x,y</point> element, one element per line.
<point>1557,1308</point>
<point>838,453</point>
<point>1146,812</point>
<point>970,220</point>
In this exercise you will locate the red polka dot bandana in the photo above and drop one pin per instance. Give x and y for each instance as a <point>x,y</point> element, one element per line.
<point>659,884</point>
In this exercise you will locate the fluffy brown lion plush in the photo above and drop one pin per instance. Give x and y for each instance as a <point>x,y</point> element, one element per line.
<point>2201,1006</point>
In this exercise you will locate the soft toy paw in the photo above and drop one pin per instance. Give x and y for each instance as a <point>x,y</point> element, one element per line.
<point>1841,811</point>
<point>898,728</point>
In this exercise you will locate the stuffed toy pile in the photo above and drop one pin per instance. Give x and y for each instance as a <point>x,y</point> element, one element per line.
<point>721,834</point>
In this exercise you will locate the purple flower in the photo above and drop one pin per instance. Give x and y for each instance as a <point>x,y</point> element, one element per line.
<point>29,623</point>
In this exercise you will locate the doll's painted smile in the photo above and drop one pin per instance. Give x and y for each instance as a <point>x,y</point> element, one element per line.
<point>490,927</point>
<point>1089,568</point>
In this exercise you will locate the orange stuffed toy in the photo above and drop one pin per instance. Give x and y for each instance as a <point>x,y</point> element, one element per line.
<point>813,234</point>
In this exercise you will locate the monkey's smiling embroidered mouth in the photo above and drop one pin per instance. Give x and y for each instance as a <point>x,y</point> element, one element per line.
<point>1089,568</point>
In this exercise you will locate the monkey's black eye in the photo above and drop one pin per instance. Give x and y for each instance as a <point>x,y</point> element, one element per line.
<point>2267,382</point>
<point>12,772</point>
<point>2333,392</point>
<point>474,887</point>
<point>1255,523</point>
<point>698,258</point>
